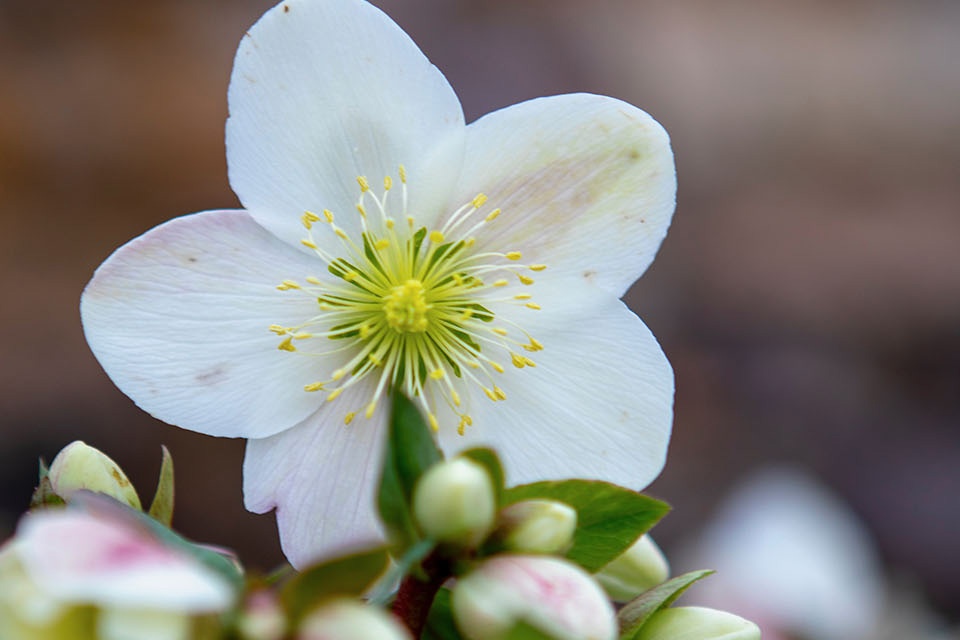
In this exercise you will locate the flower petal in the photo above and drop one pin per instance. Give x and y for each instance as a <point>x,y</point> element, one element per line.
<point>586,183</point>
<point>179,320</point>
<point>323,92</point>
<point>598,404</point>
<point>321,476</point>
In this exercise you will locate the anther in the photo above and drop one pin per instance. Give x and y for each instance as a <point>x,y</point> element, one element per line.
<point>436,237</point>
<point>514,255</point>
<point>364,185</point>
<point>314,386</point>
<point>287,344</point>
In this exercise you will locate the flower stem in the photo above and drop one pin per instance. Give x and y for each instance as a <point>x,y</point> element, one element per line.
<point>416,593</point>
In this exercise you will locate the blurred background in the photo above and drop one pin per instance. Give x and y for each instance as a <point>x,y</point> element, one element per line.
<point>808,294</point>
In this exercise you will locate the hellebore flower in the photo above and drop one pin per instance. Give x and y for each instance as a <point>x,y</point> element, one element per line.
<point>478,269</point>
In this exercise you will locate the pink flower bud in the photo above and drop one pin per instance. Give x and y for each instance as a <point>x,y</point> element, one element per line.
<point>548,593</point>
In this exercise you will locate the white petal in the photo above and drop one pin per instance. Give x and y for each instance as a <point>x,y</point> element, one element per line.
<point>321,476</point>
<point>323,92</point>
<point>586,184</point>
<point>599,403</point>
<point>179,320</point>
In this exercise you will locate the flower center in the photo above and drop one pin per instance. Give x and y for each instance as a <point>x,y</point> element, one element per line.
<point>409,308</point>
<point>406,308</point>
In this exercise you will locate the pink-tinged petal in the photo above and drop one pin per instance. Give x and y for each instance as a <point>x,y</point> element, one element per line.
<point>77,557</point>
<point>324,92</point>
<point>179,319</point>
<point>321,476</point>
<point>586,185</point>
<point>598,404</point>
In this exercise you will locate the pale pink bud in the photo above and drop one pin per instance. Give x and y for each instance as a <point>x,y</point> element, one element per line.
<point>553,595</point>
<point>454,502</point>
<point>634,571</point>
<point>351,620</point>
<point>537,526</point>
<point>79,466</point>
<point>697,623</point>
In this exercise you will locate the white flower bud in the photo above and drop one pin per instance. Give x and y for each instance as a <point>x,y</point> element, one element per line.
<point>80,466</point>
<point>454,502</point>
<point>537,526</point>
<point>553,595</point>
<point>637,569</point>
<point>697,623</point>
<point>351,620</point>
<point>262,617</point>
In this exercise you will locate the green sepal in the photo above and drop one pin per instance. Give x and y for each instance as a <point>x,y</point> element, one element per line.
<point>440,623</point>
<point>408,563</point>
<point>161,508</point>
<point>410,451</point>
<point>43,494</point>
<point>610,518</point>
<point>349,576</point>
<point>635,613</point>
<point>490,461</point>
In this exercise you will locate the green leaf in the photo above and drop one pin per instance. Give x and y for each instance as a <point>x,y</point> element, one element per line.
<point>489,459</point>
<point>161,508</point>
<point>383,592</point>
<point>440,624</point>
<point>410,452</point>
<point>609,518</point>
<point>636,612</point>
<point>347,576</point>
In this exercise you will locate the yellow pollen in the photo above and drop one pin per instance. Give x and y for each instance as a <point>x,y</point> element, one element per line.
<point>387,183</point>
<point>533,346</point>
<point>302,335</point>
<point>334,394</point>
<point>403,174</point>
<point>313,386</point>
<point>436,237</point>
<point>370,409</point>
<point>500,331</point>
<point>405,308</point>
<point>340,233</point>
<point>517,360</point>
<point>286,285</point>
<point>514,255</point>
<point>365,331</point>
<point>525,279</point>
<point>436,374</point>
<point>479,200</point>
<point>347,419</point>
<point>338,374</point>
<point>314,280</point>
<point>533,305</point>
<point>277,329</point>
<point>433,422</point>
<point>501,283</point>
<point>522,296</point>
<point>307,242</point>
<point>328,215</point>
<point>490,394</point>
<point>530,363</point>
<point>492,215</point>
<point>382,244</point>
<point>537,267</point>
<point>499,393</point>
<point>286,345</point>
<point>497,366</point>
<point>455,397</point>
<point>361,210</point>
<point>364,185</point>
<point>390,223</point>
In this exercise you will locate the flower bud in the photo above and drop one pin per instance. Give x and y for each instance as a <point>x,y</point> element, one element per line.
<point>80,466</point>
<point>454,502</point>
<point>537,526</point>
<point>351,620</point>
<point>262,617</point>
<point>637,569</point>
<point>553,595</point>
<point>697,623</point>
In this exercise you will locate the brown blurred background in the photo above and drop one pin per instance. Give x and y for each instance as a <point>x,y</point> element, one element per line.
<point>808,293</point>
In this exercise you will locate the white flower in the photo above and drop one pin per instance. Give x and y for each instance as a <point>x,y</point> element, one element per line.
<point>383,243</point>
<point>62,560</point>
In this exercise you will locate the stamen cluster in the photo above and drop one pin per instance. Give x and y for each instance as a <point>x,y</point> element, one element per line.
<point>411,308</point>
